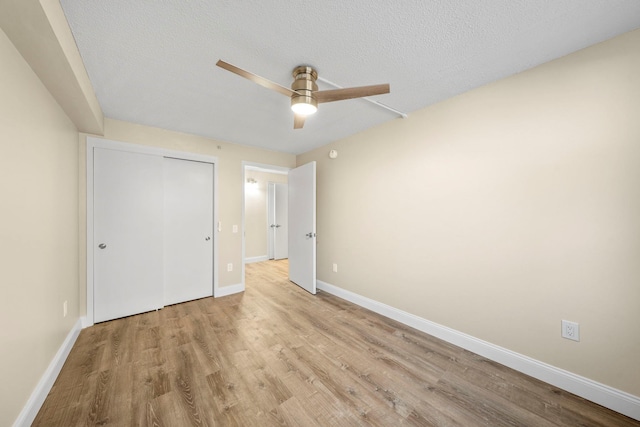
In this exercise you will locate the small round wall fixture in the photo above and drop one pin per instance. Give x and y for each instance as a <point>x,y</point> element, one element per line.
<point>333,154</point>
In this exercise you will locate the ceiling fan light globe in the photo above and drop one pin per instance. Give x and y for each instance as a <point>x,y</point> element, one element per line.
<point>304,109</point>
<point>304,104</point>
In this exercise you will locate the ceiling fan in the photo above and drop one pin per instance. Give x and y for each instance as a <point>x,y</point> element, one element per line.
<point>304,92</point>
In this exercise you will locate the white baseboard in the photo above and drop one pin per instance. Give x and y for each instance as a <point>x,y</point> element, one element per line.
<point>39,394</point>
<point>601,394</point>
<point>85,322</point>
<point>262,258</point>
<point>223,291</point>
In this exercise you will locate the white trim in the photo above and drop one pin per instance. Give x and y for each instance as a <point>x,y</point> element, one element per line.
<point>89,231</point>
<point>269,169</point>
<point>85,323</point>
<point>93,142</point>
<point>39,394</point>
<point>223,291</point>
<point>216,218</point>
<point>252,259</point>
<point>601,394</point>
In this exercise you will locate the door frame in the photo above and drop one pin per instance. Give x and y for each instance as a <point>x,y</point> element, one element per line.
<point>260,167</point>
<point>95,142</point>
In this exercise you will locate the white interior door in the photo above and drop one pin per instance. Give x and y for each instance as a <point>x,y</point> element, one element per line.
<point>127,206</point>
<point>302,226</point>
<point>281,223</point>
<point>271,219</point>
<point>188,230</point>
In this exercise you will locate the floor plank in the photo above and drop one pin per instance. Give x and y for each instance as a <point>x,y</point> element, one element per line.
<point>278,356</point>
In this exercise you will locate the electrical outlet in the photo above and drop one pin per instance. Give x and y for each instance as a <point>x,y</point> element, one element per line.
<point>570,330</point>
<point>335,267</point>
<point>229,267</point>
<point>235,228</point>
<point>64,309</point>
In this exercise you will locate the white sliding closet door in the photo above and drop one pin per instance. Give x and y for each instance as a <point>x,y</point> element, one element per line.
<point>188,230</point>
<point>127,206</point>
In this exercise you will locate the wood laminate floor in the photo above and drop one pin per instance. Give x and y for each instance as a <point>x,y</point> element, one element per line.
<point>278,356</point>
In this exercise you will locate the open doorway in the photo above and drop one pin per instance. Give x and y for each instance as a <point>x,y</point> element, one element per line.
<point>301,219</point>
<point>264,213</point>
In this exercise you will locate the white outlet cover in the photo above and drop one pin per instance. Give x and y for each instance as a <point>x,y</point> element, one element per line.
<point>570,330</point>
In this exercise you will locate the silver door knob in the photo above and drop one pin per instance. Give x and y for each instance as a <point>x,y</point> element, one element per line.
<point>310,235</point>
<point>102,246</point>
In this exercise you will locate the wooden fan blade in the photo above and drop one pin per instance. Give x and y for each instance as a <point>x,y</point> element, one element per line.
<point>255,78</point>
<point>350,93</point>
<point>298,121</point>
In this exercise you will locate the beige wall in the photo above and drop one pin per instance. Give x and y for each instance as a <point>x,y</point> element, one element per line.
<point>230,157</point>
<point>40,32</point>
<point>255,212</point>
<point>496,213</point>
<point>38,231</point>
<point>502,211</point>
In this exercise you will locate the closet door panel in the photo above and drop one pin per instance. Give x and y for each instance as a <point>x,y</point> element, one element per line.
<point>128,223</point>
<point>188,230</point>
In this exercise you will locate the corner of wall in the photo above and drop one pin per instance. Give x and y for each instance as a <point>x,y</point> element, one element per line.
<point>39,394</point>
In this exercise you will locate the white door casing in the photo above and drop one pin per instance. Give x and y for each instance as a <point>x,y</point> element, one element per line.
<point>127,208</point>
<point>302,226</point>
<point>188,230</point>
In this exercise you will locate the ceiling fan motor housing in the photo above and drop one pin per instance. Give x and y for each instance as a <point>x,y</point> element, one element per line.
<point>304,84</point>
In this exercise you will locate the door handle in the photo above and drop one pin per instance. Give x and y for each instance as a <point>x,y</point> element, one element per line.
<point>275,225</point>
<point>310,235</point>
<point>102,246</point>
<point>207,238</point>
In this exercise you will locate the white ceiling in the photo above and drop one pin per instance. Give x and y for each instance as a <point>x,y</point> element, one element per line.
<point>153,62</point>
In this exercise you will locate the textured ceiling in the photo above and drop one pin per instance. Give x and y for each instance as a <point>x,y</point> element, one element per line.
<point>153,62</point>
